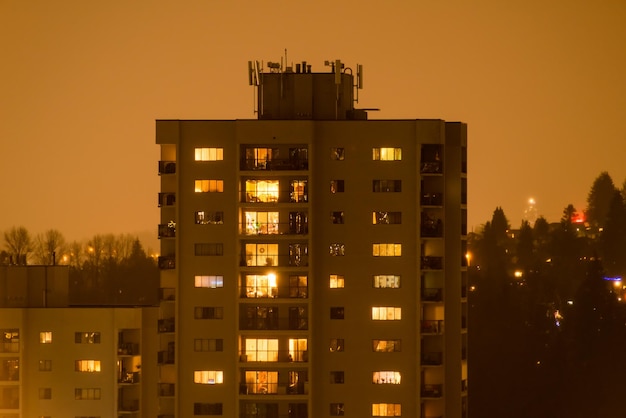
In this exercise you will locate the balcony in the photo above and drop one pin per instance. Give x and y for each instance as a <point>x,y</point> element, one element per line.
<point>129,378</point>
<point>278,356</point>
<point>432,391</point>
<point>167,167</point>
<point>431,227</point>
<point>280,260</point>
<point>128,405</point>
<point>167,262</point>
<point>166,389</point>
<point>431,199</point>
<point>432,326</point>
<point>464,385</point>
<point>167,294</point>
<point>128,349</point>
<point>165,357</point>
<point>432,294</point>
<point>259,292</point>
<point>166,325</point>
<point>167,199</point>
<point>432,358</point>
<point>431,167</point>
<point>261,389</point>
<point>431,263</point>
<point>167,230</point>
<point>279,228</point>
<point>274,164</point>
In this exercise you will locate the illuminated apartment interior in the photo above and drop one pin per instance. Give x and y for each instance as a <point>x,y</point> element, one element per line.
<point>312,260</point>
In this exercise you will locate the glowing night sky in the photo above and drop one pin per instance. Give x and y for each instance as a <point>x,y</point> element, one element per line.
<point>541,85</point>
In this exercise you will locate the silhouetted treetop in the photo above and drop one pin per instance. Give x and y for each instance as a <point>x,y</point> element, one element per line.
<point>599,200</point>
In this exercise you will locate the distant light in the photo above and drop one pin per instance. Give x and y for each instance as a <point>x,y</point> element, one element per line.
<point>518,273</point>
<point>570,302</point>
<point>613,279</point>
<point>531,201</point>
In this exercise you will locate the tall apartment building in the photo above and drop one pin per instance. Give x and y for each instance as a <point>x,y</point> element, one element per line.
<point>60,360</point>
<point>314,260</point>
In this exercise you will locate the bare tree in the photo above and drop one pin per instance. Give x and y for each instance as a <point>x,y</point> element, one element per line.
<point>48,247</point>
<point>19,244</point>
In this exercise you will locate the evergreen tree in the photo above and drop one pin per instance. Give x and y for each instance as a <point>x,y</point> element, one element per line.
<point>599,200</point>
<point>612,240</point>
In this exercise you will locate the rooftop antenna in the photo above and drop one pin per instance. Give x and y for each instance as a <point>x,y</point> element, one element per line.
<point>359,80</point>
<point>254,68</point>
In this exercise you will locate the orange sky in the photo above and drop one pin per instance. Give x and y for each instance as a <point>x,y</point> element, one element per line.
<point>541,85</point>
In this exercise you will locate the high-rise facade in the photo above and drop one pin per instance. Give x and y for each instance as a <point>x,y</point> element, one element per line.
<point>312,260</point>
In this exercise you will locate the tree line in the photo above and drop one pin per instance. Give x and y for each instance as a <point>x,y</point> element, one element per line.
<point>547,314</point>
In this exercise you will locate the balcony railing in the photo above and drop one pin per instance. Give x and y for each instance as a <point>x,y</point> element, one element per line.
<point>281,228</point>
<point>167,262</point>
<point>431,228</point>
<point>432,294</point>
<point>432,391</point>
<point>431,199</point>
<point>279,260</point>
<point>277,164</point>
<point>167,199</point>
<point>167,294</point>
<point>260,389</point>
<point>167,231</point>
<point>12,347</point>
<point>432,326</point>
<point>165,357</point>
<point>129,378</point>
<point>257,292</point>
<point>432,358</point>
<point>431,167</point>
<point>431,263</point>
<point>166,389</point>
<point>167,325</point>
<point>274,322</point>
<point>128,349</point>
<point>167,167</point>
<point>278,356</point>
<point>128,406</point>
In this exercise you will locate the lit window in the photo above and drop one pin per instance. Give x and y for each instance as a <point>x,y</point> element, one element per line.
<point>387,154</point>
<point>336,410</point>
<point>208,344</point>
<point>208,312</point>
<point>88,337</point>
<point>209,281</point>
<point>298,191</point>
<point>89,366</point>
<point>386,410</point>
<point>262,191</point>
<point>261,254</point>
<point>386,250</point>
<point>45,365</point>
<point>336,186</point>
<point>208,377</point>
<point>336,281</point>
<point>337,312</point>
<point>9,340</point>
<point>337,154</point>
<point>209,154</point>
<point>261,223</point>
<point>387,186</point>
<point>386,218</point>
<point>298,287</point>
<point>45,337</point>
<point>261,382</point>
<point>209,186</point>
<point>337,249</point>
<point>386,313</point>
<point>386,281</point>
<point>45,393</point>
<point>336,217</point>
<point>298,254</point>
<point>386,378</point>
<point>209,249</point>
<point>205,217</point>
<point>336,345</point>
<point>261,158</point>
<point>261,349</point>
<point>261,286</point>
<point>386,346</point>
<point>298,349</point>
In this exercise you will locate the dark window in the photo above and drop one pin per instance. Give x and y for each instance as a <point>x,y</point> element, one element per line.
<point>336,409</point>
<point>337,154</point>
<point>208,312</point>
<point>208,344</point>
<point>336,377</point>
<point>200,408</point>
<point>386,218</point>
<point>336,186</point>
<point>336,344</point>
<point>205,217</point>
<point>336,312</point>
<point>337,217</point>
<point>88,337</point>
<point>385,186</point>
<point>211,248</point>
